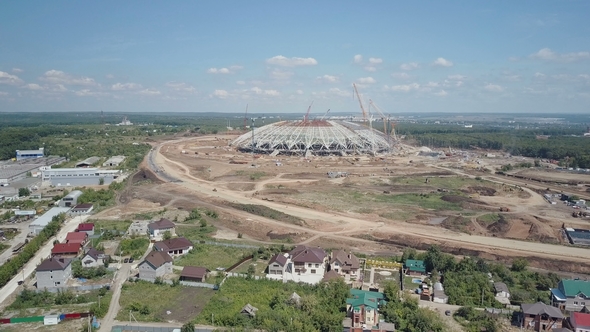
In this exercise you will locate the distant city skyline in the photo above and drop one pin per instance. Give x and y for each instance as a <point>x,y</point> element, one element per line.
<point>278,57</point>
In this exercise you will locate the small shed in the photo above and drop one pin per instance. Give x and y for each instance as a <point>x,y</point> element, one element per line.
<point>249,310</point>
<point>51,320</point>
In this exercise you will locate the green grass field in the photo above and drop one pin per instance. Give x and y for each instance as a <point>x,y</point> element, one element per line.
<point>450,182</point>
<point>425,201</point>
<point>212,257</point>
<point>120,225</point>
<point>196,232</point>
<point>488,219</point>
<point>259,265</point>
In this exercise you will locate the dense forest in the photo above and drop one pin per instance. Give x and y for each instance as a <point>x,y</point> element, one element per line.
<point>561,145</point>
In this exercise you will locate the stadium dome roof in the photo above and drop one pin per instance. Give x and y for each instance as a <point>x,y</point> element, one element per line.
<point>318,137</point>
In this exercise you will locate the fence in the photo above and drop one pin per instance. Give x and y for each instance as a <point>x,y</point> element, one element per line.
<point>121,328</point>
<point>192,284</point>
<point>240,262</point>
<point>83,288</point>
<point>235,245</point>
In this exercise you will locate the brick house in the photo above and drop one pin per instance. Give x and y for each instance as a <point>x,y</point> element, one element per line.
<point>87,228</point>
<point>302,264</point>
<point>53,272</point>
<point>362,308</point>
<point>77,237</point>
<point>540,317</point>
<point>174,247</point>
<point>158,228</point>
<point>194,273</point>
<point>94,258</point>
<point>414,267</point>
<point>345,264</point>
<point>156,264</point>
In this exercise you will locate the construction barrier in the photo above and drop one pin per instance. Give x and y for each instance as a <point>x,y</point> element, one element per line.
<point>26,319</point>
<point>16,320</point>
<point>383,264</point>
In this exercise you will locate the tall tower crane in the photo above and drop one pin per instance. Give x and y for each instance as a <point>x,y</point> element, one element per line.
<point>356,91</point>
<point>307,113</point>
<point>384,119</point>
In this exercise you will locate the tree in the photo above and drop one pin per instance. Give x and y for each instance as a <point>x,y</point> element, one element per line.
<point>23,192</point>
<point>251,271</point>
<point>188,327</point>
<point>101,181</point>
<point>519,264</point>
<point>167,235</point>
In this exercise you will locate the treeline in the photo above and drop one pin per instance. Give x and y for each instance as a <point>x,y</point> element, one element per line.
<point>573,151</point>
<point>11,268</point>
<point>467,282</point>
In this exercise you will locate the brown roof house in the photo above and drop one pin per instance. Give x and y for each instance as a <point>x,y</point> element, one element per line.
<point>70,250</point>
<point>302,264</point>
<point>81,209</point>
<point>174,247</point>
<point>345,264</point>
<point>194,273</point>
<point>53,273</point>
<point>158,228</point>
<point>156,264</point>
<point>94,258</point>
<point>540,317</point>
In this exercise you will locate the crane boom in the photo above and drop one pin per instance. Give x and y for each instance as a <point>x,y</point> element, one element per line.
<point>307,114</point>
<point>371,103</point>
<point>246,118</point>
<point>360,102</point>
<point>323,116</point>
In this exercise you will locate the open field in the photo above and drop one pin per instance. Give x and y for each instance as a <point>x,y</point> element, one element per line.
<point>151,303</point>
<point>213,256</point>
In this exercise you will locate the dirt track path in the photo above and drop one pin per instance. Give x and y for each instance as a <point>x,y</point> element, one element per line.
<point>513,247</point>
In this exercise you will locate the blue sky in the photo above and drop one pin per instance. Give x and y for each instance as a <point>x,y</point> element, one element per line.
<point>279,56</point>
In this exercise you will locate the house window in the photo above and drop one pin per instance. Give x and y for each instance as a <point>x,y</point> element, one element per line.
<point>308,264</point>
<point>317,265</point>
<point>313,271</point>
<point>336,270</point>
<point>575,302</point>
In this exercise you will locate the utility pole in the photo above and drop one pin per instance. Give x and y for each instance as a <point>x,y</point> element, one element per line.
<point>212,319</point>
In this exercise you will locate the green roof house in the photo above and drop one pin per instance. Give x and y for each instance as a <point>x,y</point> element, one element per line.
<point>362,307</point>
<point>571,294</point>
<point>415,267</point>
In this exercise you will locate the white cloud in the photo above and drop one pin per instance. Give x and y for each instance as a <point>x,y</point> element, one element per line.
<point>181,87</point>
<point>59,77</point>
<point>547,54</point>
<point>17,70</point>
<point>33,86</point>
<point>540,75</point>
<point>339,92</point>
<point>432,84</point>
<point>280,60</point>
<point>441,93</point>
<point>86,93</point>
<point>409,66</point>
<point>240,82</point>
<point>259,91</point>
<point>512,78</point>
<point>370,68</point>
<point>358,58</point>
<point>327,78</point>
<point>403,76</point>
<point>403,87</point>
<point>493,88</point>
<point>299,92</point>
<point>442,62</point>
<point>109,76</point>
<point>218,71</point>
<point>375,61</point>
<point>221,94</point>
<point>149,92</point>
<point>126,86</point>
<point>234,68</point>
<point>6,78</point>
<point>457,77</point>
<point>3,93</point>
<point>584,76</point>
<point>367,80</point>
<point>58,88</point>
<point>278,74</point>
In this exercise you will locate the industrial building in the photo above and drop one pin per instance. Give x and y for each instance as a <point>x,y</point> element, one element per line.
<point>114,161</point>
<point>11,171</point>
<point>79,176</point>
<point>315,137</point>
<point>29,154</point>
<point>71,199</point>
<point>88,162</point>
<point>37,226</point>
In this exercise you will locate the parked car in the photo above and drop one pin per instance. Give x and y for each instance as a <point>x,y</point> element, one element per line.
<point>448,312</point>
<point>126,260</point>
<point>20,282</point>
<point>131,260</point>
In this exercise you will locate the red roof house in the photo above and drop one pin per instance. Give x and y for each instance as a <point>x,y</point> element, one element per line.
<point>580,321</point>
<point>77,237</point>
<point>85,227</point>
<point>66,249</point>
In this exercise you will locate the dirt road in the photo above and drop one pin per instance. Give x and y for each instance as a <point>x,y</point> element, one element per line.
<point>106,324</point>
<point>44,252</point>
<point>353,225</point>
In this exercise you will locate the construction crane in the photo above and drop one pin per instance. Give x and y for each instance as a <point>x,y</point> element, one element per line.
<point>246,118</point>
<point>384,118</point>
<point>323,116</point>
<point>360,102</point>
<point>307,113</point>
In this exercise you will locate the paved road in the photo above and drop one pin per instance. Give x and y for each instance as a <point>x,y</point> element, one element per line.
<point>106,324</point>
<point>44,252</point>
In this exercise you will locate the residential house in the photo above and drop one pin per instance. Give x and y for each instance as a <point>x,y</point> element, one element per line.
<point>69,250</point>
<point>571,295</point>
<point>580,322</point>
<point>414,267</point>
<point>81,209</point>
<point>194,273</point>
<point>540,317</point>
<point>158,228</point>
<point>278,264</point>
<point>87,228</point>
<point>77,237</point>
<point>156,264</point>
<point>331,275</point>
<point>345,264</point>
<point>362,307</point>
<point>502,293</point>
<point>53,272</point>
<point>174,247</point>
<point>94,258</point>
<point>302,264</point>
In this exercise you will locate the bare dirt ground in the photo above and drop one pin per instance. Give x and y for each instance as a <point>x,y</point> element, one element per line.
<point>366,211</point>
